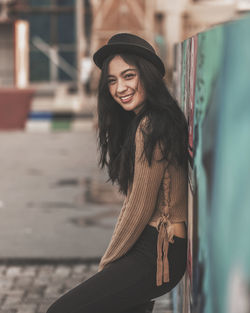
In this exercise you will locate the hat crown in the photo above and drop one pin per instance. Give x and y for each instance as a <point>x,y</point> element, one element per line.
<point>126,38</point>
<point>131,44</point>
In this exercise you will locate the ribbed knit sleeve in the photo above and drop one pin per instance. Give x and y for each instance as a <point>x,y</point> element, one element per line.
<point>139,204</point>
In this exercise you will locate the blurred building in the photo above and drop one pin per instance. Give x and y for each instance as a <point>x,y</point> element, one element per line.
<point>53,37</point>
<point>59,36</point>
<point>181,19</point>
<point>62,32</point>
<point>163,22</point>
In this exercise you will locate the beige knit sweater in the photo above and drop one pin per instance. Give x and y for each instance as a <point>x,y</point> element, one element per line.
<point>157,196</point>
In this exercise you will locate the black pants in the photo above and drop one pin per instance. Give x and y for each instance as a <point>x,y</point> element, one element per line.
<point>128,284</point>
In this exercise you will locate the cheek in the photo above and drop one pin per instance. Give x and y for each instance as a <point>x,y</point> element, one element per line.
<point>111,91</point>
<point>141,92</point>
<point>140,89</point>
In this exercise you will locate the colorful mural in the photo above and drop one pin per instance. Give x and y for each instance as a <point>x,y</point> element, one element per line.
<point>214,95</point>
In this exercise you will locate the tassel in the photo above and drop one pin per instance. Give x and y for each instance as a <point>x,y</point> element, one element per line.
<point>165,262</point>
<point>165,229</point>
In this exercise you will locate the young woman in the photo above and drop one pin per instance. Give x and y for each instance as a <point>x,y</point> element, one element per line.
<point>143,144</point>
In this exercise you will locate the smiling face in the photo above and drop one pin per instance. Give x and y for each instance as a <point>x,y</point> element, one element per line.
<point>124,85</point>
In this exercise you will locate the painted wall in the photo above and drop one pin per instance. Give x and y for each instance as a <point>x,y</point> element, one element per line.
<point>213,88</point>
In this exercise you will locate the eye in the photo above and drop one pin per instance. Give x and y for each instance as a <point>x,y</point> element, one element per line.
<point>129,76</point>
<point>111,81</point>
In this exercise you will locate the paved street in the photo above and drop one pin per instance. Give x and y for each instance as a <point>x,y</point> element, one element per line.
<point>57,216</point>
<point>53,195</point>
<point>32,288</point>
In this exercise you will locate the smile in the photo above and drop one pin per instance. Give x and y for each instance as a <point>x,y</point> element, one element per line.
<point>127,98</point>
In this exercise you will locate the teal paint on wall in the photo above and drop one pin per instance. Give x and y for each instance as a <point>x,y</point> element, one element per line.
<point>230,249</point>
<point>220,275</point>
<point>209,61</point>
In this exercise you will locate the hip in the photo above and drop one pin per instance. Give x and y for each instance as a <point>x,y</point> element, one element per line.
<point>145,247</point>
<point>180,229</point>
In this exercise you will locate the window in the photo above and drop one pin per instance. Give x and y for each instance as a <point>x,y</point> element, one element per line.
<point>53,23</point>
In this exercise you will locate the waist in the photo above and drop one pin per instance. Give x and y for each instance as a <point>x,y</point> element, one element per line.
<point>180,229</point>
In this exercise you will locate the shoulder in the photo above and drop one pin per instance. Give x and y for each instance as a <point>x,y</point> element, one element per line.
<point>142,131</point>
<point>144,124</point>
<point>141,140</point>
<point>143,127</point>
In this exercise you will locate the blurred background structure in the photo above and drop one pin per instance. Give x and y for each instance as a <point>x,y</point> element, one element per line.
<point>47,45</point>
<point>211,85</point>
<point>55,204</point>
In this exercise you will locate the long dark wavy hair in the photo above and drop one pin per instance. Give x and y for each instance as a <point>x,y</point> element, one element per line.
<point>166,124</point>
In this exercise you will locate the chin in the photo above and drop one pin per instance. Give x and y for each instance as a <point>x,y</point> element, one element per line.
<point>128,109</point>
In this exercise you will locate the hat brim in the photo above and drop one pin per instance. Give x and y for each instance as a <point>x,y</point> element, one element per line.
<point>112,49</point>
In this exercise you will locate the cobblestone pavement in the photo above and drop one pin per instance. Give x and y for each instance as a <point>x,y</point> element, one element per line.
<point>32,288</point>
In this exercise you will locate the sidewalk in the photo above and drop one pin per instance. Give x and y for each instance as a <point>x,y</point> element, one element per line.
<point>32,288</point>
<point>45,178</point>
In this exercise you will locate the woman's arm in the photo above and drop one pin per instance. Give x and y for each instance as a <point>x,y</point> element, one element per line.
<point>140,205</point>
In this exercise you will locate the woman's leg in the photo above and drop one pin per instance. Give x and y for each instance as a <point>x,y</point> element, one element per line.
<point>118,287</point>
<point>142,308</point>
<point>126,285</point>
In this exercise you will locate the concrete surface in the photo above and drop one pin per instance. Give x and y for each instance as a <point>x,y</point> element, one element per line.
<point>45,178</point>
<point>32,288</point>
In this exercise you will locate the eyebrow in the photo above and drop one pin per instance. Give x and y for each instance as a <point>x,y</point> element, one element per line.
<point>123,72</point>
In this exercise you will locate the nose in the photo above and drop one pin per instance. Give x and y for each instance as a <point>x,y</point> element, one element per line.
<point>121,86</point>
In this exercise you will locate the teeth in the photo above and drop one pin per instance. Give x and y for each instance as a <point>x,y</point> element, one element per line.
<point>126,97</point>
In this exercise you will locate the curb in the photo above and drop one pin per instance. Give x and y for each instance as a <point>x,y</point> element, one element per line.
<point>46,261</point>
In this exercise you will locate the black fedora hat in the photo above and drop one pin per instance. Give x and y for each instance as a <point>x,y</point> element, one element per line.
<point>128,43</point>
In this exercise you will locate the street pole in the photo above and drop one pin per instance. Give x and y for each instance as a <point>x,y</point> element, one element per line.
<point>80,43</point>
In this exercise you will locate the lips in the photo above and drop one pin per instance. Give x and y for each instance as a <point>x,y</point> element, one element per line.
<point>127,98</point>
